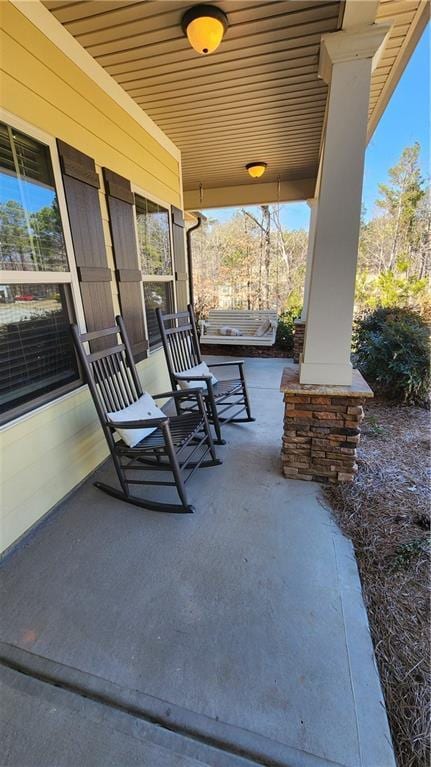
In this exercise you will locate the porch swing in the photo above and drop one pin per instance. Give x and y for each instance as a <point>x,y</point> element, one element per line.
<point>236,327</point>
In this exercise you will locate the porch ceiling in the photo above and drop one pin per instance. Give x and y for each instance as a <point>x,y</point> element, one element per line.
<point>257,98</point>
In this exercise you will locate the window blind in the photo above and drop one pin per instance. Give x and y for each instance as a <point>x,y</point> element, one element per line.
<point>36,353</point>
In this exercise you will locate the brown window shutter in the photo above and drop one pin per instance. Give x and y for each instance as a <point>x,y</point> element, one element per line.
<point>81,184</point>
<point>122,223</point>
<point>180,258</point>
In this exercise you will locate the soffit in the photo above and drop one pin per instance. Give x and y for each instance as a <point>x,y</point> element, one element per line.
<point>257,97</point>
<point>408,18</point>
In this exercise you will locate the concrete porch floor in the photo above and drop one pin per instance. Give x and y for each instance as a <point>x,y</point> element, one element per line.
<point>234,636</point>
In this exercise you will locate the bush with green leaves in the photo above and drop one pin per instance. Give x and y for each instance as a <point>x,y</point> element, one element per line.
<point>391,348</point>
<point>286,328</point>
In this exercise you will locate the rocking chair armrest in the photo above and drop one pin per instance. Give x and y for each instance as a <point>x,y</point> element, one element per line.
<point>238,363</point>
<point>185,394</point>
<point>178,394</point>
<point>141,424</point>
<point>223,364</point>
<point>208,380</point>
<point>180,377</point>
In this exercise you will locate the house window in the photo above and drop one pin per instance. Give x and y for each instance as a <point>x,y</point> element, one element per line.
<point>154,243</point>
<point>36,353</point>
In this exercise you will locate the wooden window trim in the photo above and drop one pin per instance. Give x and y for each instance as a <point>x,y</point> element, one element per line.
<point>35,277</point>
<point>13,277</point>
<point>158,278</point>
<point>33,406</point>
<point>140,192</point>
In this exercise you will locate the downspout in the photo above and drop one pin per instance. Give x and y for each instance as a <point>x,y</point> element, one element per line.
<point>189,257</point>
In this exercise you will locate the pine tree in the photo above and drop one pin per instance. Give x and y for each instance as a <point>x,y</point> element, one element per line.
<point>400,200</point>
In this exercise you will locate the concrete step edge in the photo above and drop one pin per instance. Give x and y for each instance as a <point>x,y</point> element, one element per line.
<point>233,740</point>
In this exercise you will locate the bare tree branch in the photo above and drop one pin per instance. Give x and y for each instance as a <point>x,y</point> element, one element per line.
<point>246,213</point>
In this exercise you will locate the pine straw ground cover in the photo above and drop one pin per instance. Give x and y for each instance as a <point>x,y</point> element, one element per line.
<point>386,513</point>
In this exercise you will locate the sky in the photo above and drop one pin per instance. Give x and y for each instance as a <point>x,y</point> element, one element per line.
<point>35,196</point>
<point>405,120</point>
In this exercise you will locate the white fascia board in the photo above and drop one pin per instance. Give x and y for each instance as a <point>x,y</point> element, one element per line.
<point>249,194</point>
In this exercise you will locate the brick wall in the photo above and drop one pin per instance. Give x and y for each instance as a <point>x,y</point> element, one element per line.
<point>320,437</point>
<point>298,340</point>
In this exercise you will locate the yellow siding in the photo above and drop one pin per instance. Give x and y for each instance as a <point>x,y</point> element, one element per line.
<point>45,454</point>
<point>47,89</point>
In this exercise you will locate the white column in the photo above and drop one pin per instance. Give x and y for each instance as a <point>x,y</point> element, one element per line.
<point>346,62</point>
<point>312,204</point>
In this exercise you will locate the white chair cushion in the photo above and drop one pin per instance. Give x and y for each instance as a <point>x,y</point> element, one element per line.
<point>198,370</point>
<point>263,328</point>
<point>144,407</point>
<point>226,330</point>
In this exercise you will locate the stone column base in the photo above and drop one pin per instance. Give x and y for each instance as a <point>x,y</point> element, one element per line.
<point>298,340</point>
<point>321,428</point>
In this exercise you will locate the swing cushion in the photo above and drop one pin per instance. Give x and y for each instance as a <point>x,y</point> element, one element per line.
<point>263,328</point>
<point>143,408</point>
<point>198,370</point>
<point>227,330</point>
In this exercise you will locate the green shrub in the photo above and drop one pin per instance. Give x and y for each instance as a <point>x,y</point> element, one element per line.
<point>285,329</point>
<point>391,347</point>
<point>389,289</point>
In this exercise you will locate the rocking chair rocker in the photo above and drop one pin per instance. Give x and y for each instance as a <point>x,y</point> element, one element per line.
<point>179,444</point>
<point>182,352</point>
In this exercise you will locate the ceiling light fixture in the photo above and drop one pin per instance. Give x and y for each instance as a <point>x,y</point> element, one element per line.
<point>204,26</point>
<point>256,169</point>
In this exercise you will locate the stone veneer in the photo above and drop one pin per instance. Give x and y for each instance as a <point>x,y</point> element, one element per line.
<point>298,339</point>
<point>321,428</point>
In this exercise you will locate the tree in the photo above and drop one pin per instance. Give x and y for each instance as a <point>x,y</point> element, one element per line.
<point>249,262</point>
<point>31,241</point>
<point>15,244</point>
<point>394,259</point>
<point>265,252</point>
<point>252,261</point>
<point>48,240</point>
<point>400,200</point>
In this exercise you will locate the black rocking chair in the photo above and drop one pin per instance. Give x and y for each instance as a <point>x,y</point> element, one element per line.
<point>226,400</point>
<point>180,444</point>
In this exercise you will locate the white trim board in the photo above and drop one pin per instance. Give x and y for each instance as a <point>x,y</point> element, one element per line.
<point>44,20</point>
<point>141,192</point>
<point>404,54</point>
<point>50,277</point>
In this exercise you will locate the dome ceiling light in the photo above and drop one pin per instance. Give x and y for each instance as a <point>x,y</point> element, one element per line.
<point>256,169</point>
<point>204,26</point>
